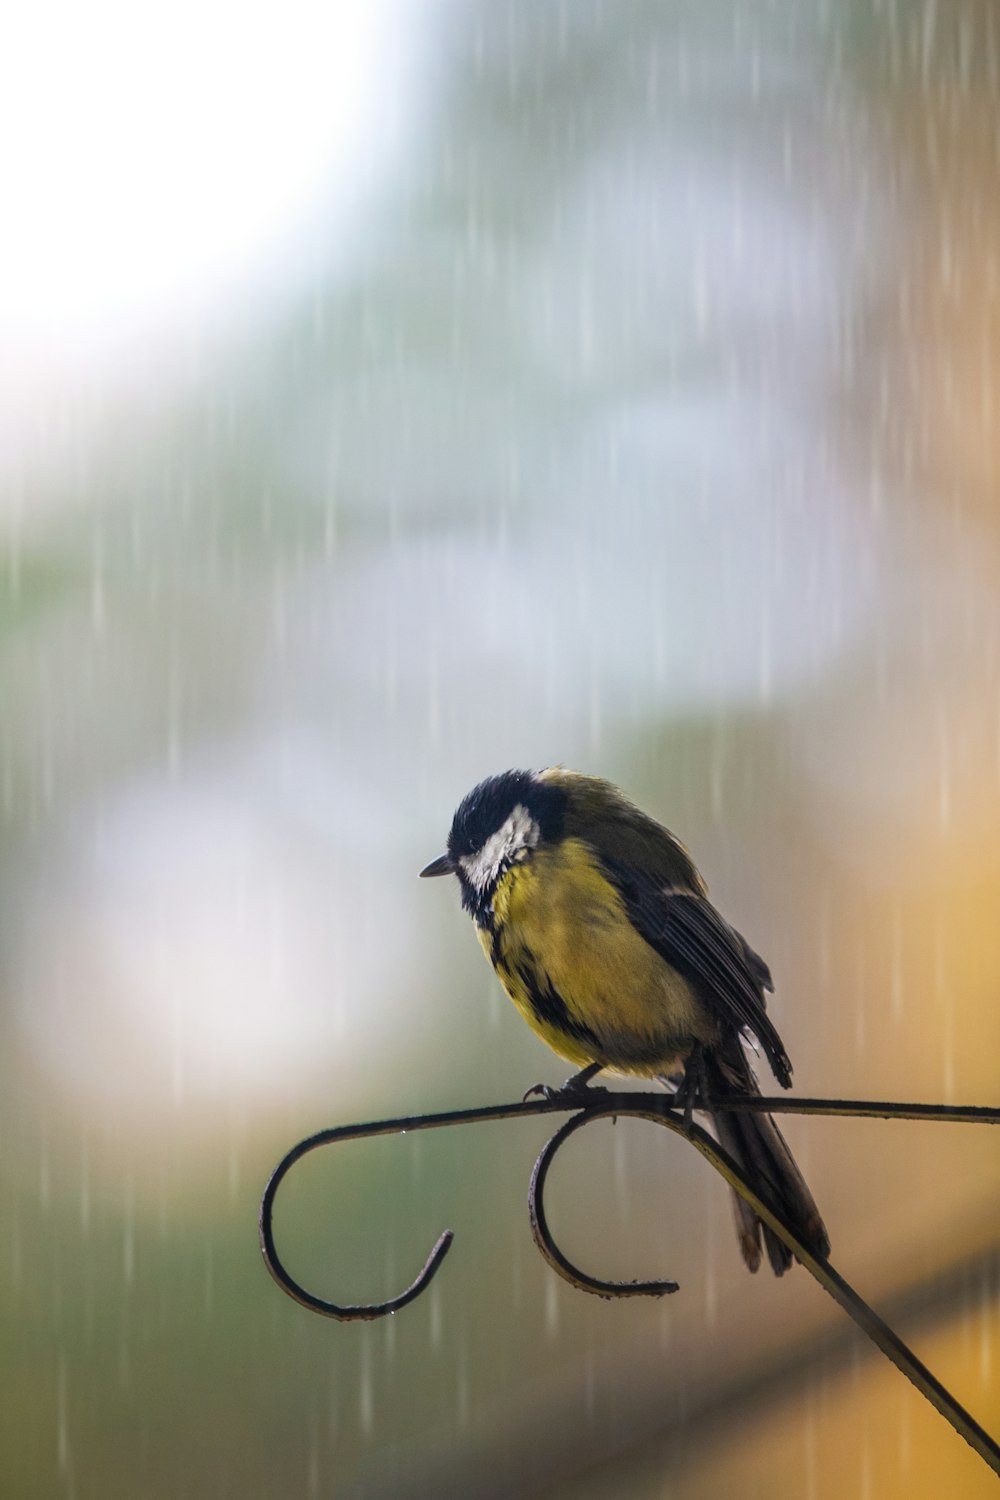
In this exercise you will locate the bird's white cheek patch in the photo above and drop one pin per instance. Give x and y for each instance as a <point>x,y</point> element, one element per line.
<point>514,838</point>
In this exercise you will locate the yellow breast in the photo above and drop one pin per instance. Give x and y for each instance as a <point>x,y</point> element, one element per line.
<point>581,975</point>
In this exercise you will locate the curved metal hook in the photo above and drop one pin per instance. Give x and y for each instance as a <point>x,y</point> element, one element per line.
<point>398,1126</point>
<point>543,1234</point>
<point>639,1107</point>
<point>362,1312</point>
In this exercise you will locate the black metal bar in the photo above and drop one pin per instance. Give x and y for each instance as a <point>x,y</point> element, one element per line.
<point>592,1100</point>
<point>862,1109</point>
<point>597,1103</point>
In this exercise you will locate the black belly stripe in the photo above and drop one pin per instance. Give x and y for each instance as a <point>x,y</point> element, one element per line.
<point>550,1007</point>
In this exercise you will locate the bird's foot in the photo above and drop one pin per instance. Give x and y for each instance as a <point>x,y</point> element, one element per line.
<point>683,1098</point>
<point>575,1088</point>
<point>692,1092</point>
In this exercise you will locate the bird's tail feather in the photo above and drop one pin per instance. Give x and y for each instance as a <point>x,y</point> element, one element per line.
<point>757,1146</point>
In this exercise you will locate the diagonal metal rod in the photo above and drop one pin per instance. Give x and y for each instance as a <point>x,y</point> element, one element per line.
<point>830,1279</point>
<point>597,1103</point>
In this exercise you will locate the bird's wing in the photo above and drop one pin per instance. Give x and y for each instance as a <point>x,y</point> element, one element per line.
<point>603,817</point>
<point>690,935</point>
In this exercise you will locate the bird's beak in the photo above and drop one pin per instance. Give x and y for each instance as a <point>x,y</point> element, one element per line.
<point>440,866</point>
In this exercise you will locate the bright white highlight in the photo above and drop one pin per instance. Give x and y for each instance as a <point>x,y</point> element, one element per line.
<point>157,161</point>
<point>511,842</point>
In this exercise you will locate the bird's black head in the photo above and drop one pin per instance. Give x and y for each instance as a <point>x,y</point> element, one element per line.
<point>499,823</point>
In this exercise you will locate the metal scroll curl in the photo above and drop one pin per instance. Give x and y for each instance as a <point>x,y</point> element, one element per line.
<point>588,1105</point>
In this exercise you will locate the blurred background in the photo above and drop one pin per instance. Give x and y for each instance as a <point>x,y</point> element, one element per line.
<point>392,393</point>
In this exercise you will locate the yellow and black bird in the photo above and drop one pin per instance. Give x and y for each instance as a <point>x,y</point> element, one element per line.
<point>600,929</point>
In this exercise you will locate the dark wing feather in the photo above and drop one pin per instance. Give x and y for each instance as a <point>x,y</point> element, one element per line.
<point>691,936</point>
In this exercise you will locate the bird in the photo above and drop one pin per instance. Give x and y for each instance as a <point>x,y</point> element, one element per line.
<point>600,929</point>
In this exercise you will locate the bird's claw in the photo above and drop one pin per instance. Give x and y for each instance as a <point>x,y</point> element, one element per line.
<point>577,1087</point>
<point>542,1091</point>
